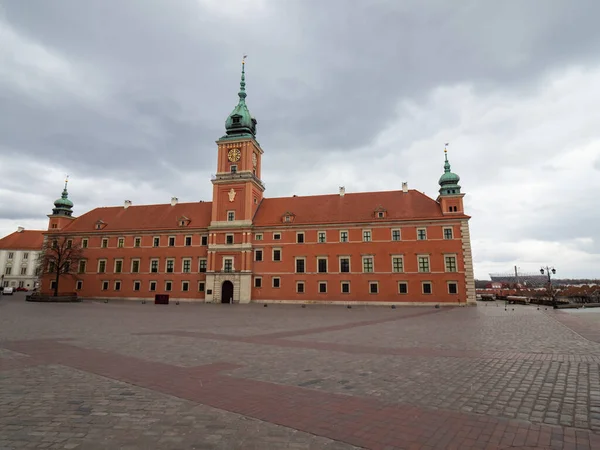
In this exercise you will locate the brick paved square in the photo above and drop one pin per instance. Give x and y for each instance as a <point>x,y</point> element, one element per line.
<point>127,375</point>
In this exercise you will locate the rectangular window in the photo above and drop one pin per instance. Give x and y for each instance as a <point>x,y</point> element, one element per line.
<point>102,266</point>
<point>343,236</point>
<point>230,216</point>
<point>397,264</point>
<point>188,241</point>
<point>373,287</point>
<point>104,243</point>
<point>345,265</point>
<point>82,266</point>
<point>154,266</point>
<point>367,264</point>
<point>204,240</point>
<point>366,235</point>
<point>448,233</point>
<point>105,285</point>
<point>26,255</point>
<point>135,266</point>
<point>300,265</point>
<point>450,262</point>
<point>168,286</point>
<point>258,255</point>
<point>137,242</point>
<point>8,270</point>
<point>153,285</point>
<point>322,287</point>
<point>229,239</point>
<point>51,268</point>
<point>69,243</point>
<point>426,287</point>
<point>78,285</point>
<point>300,287</point>
<point>322,265</point>
<point>227,264</point>
<point>171,241</point>
<point>118,266</point>
<point>300,238</point>
<point>257,282</point>
<point>423,263</point>
<point>201,286</point>
<point>185,286</point>
<point>395,235</point>
<point>258,237</point>
<point>345,287</point>
<point>321,236</point>
<point>276,236</point>
<point>421,234</point>
<point>170,265</point>
<point>117,285</point>
<point>452,288</point>
<point>202,265</point>
<point>84,243</point>
<point>276,254</point>
<point>10,255</point>
<point>121,242</point>
<point>402,287</point>
<point>23,270</point>
<point>156,242</point>
<point>136,285</point>
<point>187,265</point>
<point>276,282</point>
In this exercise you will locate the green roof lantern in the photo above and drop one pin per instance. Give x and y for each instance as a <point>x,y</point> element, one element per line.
<point>63,206</point>
<point>449,180</point>
<point>240,122</point>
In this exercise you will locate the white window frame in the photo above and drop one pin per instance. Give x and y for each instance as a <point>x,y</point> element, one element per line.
<point>139,265</point>
<point>321,234</point>
<point>280,254</point>
<point>117,285</point>
<point>347,236</point>
<point>258,236</point>
<point>399,230</point>
<point>275,234</point>
<point>262,254</point>
<point>139,283</point>
<point>371,283</point>
<point>84,262</point>
<point>227,239</point>
<point>349,263</point>
<point>84,243</point>
<point>225,259</point>
<point>100,261</point>
<point>319,284</point>
<point>323,258</point>
<point>170,284</point>
<point>372,264</point>
<point>185,239</point>
<point>200,265</point>
<point>403,283</point>
<point>297,258</point>
<point>401,257</point>
<point>450,255</point>
<point>172,260</point>
<point>203,238</point>
<point>201,286</point>
<point>423,283</point>
<point>104,243</point>
<point>183,261</point>
<point>342,283</point>
<point>303,283</point>
<point>259,279</point>
<point>419,264</point>
<point>154,243</point>
<point>273,282</point>
<point>150,285</point>
<point>135,241</point>
<point>185,283</point>
<point>444,233</point>
<point>301,233</point>
<point>79,285</point>
<point>231,215</point>
<point>422,229</point>
<point>365,237</point>
<point>448,283</point>
<point>169,241</point>
<point>157,265</point>
<point>121,242</point>
<point>105,285</point>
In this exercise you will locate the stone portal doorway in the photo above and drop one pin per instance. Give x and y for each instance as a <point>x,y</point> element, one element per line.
<point>227,292</point>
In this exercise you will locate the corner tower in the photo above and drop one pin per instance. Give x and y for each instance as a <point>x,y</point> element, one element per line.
<point>237,186</point>
<point>62,213</point>
<point>450,198</point>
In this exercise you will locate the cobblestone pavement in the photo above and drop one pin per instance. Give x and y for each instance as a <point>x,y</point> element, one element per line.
<point>133,376</point>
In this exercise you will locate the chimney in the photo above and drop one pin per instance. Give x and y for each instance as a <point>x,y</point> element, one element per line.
<point>174,201</point>
<point>127,204</point>
<point>404,186</point>
<point>342,191</point>
<point>20,229</point>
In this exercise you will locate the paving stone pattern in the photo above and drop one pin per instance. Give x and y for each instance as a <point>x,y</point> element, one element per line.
<point>124,375</point>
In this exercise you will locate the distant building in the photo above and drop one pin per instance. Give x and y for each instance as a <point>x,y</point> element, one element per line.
<point>18,258</point>
<point>396,246</point>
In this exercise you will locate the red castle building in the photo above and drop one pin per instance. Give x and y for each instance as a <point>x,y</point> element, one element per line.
<point>372,247</point>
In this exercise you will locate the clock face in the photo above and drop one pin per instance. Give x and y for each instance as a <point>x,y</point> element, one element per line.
<point>254,159</point>
<point>234,154</point>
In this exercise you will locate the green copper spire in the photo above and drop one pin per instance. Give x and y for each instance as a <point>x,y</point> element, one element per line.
<point>240,122</point>
<point>63,206</point>
<point>449,180</point>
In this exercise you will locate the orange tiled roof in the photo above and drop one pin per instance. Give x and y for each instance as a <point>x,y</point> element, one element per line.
<point>357,207</point>
<point>23,240</point>
<point>143,217</point>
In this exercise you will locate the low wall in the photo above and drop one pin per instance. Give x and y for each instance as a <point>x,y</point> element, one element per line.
<point>52,299</point>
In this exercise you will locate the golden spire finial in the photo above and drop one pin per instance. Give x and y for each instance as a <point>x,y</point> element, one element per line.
<point>446,145</point>
<point>66,180</point>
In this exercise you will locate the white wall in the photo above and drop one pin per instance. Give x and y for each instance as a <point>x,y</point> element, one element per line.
<point>20,259</point>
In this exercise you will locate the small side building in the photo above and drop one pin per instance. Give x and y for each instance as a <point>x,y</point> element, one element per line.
<point>19,257</point>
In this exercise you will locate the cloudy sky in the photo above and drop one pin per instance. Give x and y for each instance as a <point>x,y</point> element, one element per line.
<point>128,97</point>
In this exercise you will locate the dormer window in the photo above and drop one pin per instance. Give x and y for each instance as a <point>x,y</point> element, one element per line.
<point>380,212</point>
<point>235,119</point>
<point>99,225</point>
<point>288,217</point>
<point>183,221</point>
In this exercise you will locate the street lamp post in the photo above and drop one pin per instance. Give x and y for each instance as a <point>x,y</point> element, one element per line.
<point>550,271</point>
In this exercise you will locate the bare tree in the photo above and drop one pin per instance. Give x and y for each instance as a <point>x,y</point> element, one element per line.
<point>60,256</point>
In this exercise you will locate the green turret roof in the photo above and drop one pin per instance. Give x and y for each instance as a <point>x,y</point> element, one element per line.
<point>240,122</point>
<point>449,180</point>
<point>63,206</point>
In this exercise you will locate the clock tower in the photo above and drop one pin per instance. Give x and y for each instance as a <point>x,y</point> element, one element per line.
<point>237,193</point>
